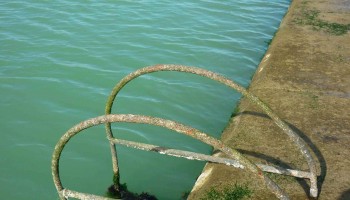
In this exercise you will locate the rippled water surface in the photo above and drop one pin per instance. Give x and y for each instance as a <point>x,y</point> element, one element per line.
<point>59,61</point>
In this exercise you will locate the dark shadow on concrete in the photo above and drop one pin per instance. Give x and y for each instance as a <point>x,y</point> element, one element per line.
<point>345,195</point>
<point>278,163</point>
<point>313,147</point>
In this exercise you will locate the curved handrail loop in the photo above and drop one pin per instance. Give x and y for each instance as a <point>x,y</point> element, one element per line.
<point>172,125</point>
<point>300,143</point>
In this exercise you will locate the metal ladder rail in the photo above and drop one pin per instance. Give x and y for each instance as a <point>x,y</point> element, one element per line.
<point>300,143</point>
<point>64,193</point>
<point>172,125</point>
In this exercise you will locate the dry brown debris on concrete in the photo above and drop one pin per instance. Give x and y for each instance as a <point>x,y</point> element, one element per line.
<point>305,78</point>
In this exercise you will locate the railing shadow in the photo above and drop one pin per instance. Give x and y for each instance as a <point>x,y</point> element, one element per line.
<point>313,147</point>
<point>345,195</point>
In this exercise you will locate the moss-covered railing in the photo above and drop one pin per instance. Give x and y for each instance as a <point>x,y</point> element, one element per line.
<point>237,159</point>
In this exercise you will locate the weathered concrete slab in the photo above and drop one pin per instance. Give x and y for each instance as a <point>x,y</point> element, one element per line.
<point>305,78</point>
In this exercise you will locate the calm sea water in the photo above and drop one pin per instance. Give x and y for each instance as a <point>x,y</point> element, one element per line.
<point>59,61</point>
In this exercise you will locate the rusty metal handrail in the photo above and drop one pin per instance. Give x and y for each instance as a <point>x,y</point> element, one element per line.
<point>172,125</point>
<point>238,160</point>
<point>300,143</point>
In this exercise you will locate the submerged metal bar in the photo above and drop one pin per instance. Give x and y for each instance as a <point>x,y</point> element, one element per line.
<point>300,143</point>
<point>203,157</point>
<point>162,123</point>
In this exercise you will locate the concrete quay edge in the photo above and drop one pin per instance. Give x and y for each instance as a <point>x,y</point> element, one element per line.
<point>305,78</point>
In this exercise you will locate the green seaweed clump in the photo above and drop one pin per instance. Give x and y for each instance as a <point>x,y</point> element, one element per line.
<point>125,194</point>
<point>311,18</point>
<point>235,192</point>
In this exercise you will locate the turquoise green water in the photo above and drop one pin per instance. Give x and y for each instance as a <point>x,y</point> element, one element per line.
<point>59,61</point>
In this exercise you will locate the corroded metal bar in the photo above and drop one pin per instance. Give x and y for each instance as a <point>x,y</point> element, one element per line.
<point>202,157</point>
<point>300,143</point>
<point>177,153</point>
<point>162,123</point>
<point>288,172</point>
<point>79,195</point>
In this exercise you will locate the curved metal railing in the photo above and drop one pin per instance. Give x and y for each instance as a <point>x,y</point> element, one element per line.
<point>238,160</point>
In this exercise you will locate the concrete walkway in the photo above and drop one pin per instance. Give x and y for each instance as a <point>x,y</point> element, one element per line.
<point>305,78</point>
